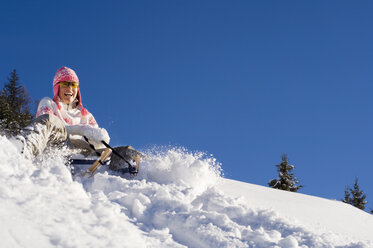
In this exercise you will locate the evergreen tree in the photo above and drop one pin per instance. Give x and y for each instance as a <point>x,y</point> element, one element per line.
<point>5,113</point>
<point>358,196</point>
<point>347,198</point>
<point>355,196</point>
<point>14,111</point>
<point>286,181</point>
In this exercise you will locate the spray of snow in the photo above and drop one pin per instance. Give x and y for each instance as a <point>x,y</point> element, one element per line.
<point>178,166</point>
<point>179,199</point>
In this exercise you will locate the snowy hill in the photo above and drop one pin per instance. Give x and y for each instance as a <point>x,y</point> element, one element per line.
<point>179,199</point>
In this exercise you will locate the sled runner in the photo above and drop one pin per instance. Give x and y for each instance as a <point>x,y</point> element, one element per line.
<point>123,160</point>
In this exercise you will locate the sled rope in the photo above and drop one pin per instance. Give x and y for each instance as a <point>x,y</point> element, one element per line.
<point>92,146</point>
<point>130,167</point>
<point>116,153</point>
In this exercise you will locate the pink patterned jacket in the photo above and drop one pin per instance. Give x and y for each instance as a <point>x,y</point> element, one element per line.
<point>68,113</point>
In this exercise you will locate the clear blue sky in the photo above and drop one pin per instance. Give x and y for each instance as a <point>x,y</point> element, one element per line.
<point>243,80</point>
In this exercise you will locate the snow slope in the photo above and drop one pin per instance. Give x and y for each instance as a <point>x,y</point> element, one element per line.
<point>319,214</point>
<point>179,199</point>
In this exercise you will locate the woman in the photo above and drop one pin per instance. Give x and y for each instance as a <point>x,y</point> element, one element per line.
<point>62,121</point>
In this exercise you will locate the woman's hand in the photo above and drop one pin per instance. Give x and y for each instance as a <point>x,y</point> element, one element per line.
<point>95,135</point>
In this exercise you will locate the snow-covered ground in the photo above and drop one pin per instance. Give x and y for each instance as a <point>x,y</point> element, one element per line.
<point>179,199</point>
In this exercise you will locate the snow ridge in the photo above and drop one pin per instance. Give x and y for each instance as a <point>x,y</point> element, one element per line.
<point>175,201</point>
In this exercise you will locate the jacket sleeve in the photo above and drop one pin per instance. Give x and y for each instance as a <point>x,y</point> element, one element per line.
<point>87,122</point>
<point>46,106</point>
<point>94,134</point>
<point>91,121</point>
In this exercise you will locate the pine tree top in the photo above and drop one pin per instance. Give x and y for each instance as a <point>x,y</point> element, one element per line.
<point>355,196</point>
<point>286,180</point>
<point>14,110</point>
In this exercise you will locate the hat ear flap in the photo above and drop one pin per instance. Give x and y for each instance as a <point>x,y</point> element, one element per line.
<point>78,96</point>
<point>83,110</point>
<point>56,90</point>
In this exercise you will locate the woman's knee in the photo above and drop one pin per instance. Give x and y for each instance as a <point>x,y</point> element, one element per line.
<point>49,118</point>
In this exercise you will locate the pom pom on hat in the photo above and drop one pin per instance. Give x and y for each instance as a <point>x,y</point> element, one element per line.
<point>84,112</point>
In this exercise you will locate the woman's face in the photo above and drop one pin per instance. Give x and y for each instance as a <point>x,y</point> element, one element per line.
<point>68,91</point>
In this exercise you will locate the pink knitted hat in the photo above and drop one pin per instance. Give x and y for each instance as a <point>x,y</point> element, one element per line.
<point>65,74</point>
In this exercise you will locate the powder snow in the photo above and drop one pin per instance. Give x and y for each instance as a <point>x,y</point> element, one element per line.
<point>179,199</point>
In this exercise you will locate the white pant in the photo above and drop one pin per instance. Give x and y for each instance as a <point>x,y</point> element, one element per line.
<point>45,130</point>
<point>48,130</point>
